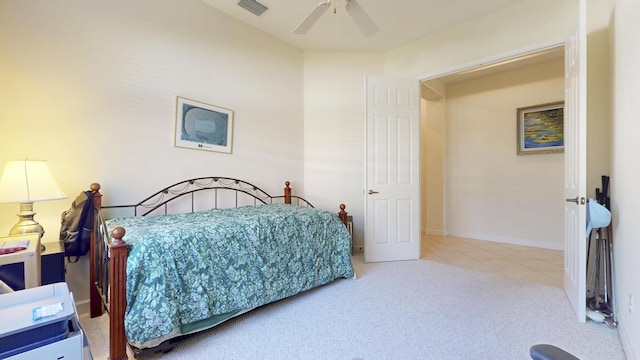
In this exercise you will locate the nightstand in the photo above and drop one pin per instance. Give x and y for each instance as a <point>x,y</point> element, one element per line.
<point>21,269</point>
<point>52,262</point>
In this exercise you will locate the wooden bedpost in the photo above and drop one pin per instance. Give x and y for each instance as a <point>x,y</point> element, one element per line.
<point>118,302</point>
<point>95,301</point>
<point>343,214</point>
<point>287,192</point>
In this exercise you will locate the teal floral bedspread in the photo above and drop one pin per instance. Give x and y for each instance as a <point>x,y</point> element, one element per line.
<point>185,268</point>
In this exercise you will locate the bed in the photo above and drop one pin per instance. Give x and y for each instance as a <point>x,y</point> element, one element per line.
<point>203,251</point>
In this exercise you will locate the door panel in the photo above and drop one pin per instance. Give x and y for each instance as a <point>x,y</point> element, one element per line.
<point>575,135</point>
<point>392,195</point>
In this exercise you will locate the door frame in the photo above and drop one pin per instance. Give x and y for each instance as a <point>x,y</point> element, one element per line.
<point>494,59</point>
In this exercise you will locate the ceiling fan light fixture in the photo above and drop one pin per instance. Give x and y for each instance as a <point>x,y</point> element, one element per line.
<point>253,6</point>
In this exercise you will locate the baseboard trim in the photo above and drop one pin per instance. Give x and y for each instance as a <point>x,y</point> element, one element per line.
<point>433,232</point>
<point>83,306</point>
<point>626,343</point>
<point>510,240</point>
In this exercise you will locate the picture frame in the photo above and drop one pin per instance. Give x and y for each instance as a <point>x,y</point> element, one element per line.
<point>541,128</point>
<point>203,126</point>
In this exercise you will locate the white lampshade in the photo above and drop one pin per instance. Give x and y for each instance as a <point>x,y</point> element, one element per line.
<point>28,181</point>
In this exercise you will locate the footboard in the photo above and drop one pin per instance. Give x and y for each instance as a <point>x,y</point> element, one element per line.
<point>109,251</point>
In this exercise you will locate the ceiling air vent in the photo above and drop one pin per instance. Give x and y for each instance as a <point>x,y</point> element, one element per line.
<point>253,6</point>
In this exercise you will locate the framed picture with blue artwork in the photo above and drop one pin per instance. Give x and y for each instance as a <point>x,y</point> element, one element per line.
<point>541,128</point>
<point>203,126</point>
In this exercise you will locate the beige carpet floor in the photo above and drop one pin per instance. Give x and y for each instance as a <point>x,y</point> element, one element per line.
<point>400,310</point>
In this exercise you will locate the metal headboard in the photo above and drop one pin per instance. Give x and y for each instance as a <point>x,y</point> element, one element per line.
<point>189,188</point>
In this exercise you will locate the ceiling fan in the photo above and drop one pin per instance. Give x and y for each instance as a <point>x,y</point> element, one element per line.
<point>357,13</point>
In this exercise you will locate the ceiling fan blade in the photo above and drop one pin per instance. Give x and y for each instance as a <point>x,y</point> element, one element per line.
<point>360,17</point>
<point>313,16</point>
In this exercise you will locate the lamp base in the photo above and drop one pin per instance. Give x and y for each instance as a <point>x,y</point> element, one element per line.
<point>26,225</point>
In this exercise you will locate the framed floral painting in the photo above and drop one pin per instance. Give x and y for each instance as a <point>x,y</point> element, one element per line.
<point>541,128</point>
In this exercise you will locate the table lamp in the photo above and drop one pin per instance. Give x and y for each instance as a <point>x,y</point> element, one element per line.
<point>25,182</point>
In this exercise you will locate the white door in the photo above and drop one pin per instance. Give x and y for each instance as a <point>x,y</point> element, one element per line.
<point>575,256</point>
<point>392,193</point>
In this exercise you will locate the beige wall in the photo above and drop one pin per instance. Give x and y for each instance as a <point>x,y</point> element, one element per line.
<point>625,175</point>
<point>491,192</point>
<point>598,95</point>
<point>84,82</point>
<point>509,30</point>
<point>334,130</point>
<point>432,144</point>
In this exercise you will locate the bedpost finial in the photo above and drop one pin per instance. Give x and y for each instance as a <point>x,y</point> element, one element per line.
<point>118,233</point>
<point>343,215</point>
<point>94,187</point>
<point>287,192</point>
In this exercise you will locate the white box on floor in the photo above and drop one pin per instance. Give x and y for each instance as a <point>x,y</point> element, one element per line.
<point>70,348</point>
<point>25,336</point>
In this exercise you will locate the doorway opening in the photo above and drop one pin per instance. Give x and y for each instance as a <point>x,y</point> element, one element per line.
<point>473,183</point>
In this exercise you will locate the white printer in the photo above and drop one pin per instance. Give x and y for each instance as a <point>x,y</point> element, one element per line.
<point>41,323</point>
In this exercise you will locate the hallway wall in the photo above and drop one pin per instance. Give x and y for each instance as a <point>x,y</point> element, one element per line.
<point>492,193</point>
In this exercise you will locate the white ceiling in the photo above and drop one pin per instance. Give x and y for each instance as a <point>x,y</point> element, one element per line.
<point>399,21</point>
